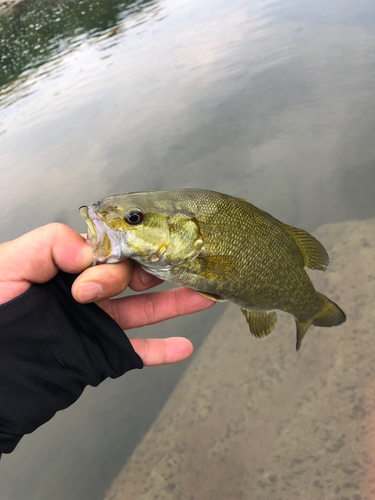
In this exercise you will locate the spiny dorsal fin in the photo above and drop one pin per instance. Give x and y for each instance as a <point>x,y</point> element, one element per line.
<point>261,323</point>
<point>314,254</point>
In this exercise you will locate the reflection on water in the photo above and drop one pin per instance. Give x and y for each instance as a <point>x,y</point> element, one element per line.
<point>37,36</point>
<point>272,101</point>
<point>181,87</point>
<point>35,31</point>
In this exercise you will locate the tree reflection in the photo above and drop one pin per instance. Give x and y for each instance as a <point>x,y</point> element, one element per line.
<point>35,31</point>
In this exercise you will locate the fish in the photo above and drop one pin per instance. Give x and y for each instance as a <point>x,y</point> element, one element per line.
<point>220,246</point>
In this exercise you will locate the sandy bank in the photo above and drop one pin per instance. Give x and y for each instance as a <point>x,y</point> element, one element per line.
<point>256,420</point>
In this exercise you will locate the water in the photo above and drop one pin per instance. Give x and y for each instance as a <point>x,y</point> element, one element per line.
<point>269,101</point>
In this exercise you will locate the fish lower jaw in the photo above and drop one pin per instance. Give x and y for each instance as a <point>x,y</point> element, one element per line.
<point>156,270</point>
<point>163,273</point>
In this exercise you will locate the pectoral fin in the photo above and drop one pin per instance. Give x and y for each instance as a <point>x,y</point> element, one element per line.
<point>261,323</point>
<point>212,296</point>
<point>212,267</point>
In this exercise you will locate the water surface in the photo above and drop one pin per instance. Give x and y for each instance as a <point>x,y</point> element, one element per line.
<point>272,101</point>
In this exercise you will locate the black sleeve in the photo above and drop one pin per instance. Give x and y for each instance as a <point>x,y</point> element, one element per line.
<point>51,347</point>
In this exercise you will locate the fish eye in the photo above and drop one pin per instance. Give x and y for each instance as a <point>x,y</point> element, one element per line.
<point>134,217</point>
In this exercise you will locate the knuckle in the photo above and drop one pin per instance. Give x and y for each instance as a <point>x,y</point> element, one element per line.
<point>149,309</point>
<point>176,302</point>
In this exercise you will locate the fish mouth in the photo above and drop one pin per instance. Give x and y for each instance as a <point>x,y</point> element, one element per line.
<point>105,242</point>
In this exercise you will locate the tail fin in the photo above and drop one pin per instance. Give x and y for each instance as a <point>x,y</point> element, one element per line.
<point>330,314</point>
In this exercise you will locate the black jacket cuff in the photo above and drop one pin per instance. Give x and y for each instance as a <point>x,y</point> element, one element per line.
<point>51,347</point>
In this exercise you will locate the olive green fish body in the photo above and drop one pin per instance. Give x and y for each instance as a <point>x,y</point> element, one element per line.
<point>220,246</point>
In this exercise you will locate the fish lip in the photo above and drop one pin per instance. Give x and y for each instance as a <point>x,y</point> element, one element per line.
<point>100,237</point>
<point>93,228</point>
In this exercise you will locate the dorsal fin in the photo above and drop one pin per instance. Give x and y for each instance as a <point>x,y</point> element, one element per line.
<point>314,254</point>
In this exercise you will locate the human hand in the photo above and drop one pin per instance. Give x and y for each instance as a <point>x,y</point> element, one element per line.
<point>37,256</point>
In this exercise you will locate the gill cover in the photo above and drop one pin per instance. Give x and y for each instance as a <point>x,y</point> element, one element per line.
<point>155,239</point>
<point>164,242</point>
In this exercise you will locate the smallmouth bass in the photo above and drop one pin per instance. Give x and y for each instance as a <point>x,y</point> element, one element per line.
<point>219,246</point>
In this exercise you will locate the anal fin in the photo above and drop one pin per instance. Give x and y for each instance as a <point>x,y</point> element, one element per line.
<point>261,323</point>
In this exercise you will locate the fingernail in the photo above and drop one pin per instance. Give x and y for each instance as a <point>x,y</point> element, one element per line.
<point>145,277</point>
<point>88,292</point>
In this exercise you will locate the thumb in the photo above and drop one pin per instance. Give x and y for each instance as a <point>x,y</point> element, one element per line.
<point>36,257</point>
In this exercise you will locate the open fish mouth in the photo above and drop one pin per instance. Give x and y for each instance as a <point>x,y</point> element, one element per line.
<point>105,242</point>
<point>91,232</point>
